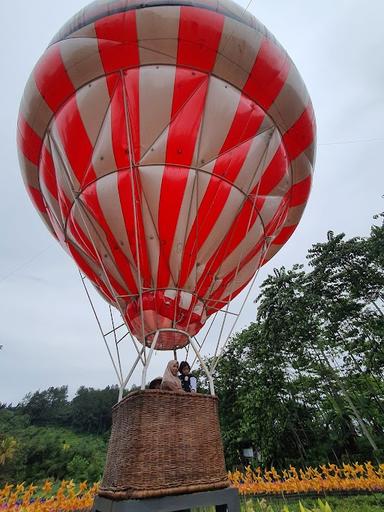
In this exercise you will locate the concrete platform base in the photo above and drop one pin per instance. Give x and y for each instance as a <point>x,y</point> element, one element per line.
<point>225,500</point>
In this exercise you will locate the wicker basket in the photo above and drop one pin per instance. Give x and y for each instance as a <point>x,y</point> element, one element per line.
<point>164,443</point>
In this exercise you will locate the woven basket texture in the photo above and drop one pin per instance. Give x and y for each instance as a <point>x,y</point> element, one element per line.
<point>164,443</point>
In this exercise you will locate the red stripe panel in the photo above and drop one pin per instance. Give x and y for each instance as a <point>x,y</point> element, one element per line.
<point>184,128</point>
<point>284,235</point>
<point>171,196</point>
<point>199,37</point>
<point>37,199</point>
<point>119,128</point>
<point>279,217</point>
<point>83,265</point>
<point>217,295</point>
<point>209,211</point>
<point>127,196</point>
<point>28,140</point>
<point>268,75</point>
<point>117,41</point>
<point>301,134</point>
<point>300,191</point>
<point>82,239</point>
<point>48,173</point>
<point>187,82</point>
<point>52,78</point>
<point>273,174</point>
<point>182,136</point>
<point>131,81</point>
<point>112,82</point>
<point>245,124</point>
<point>122,263</point>
<point>234,236</point>
<point>75,140</point>
<point>64,203</point>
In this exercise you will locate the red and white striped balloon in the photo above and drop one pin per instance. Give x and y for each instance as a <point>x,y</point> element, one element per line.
<point>169,148</point>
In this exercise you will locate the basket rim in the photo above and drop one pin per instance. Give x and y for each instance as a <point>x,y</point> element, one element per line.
<point>137,393</point>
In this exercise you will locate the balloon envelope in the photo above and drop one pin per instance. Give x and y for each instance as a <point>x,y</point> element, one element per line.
<point>169,148</point>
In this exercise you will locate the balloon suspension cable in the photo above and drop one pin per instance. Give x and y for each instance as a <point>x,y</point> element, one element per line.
<point>83,214</point>
<point>200,345</point>
<point>148,360</point>
<point>130,373</point>
<point>119,375</point>
<point>206,336</point>
<point>264,249</point>
<point>215,362</point>
<point>133,191</point>
<point>116,341</point>
<point>260,166</point>
<point>118,368</point>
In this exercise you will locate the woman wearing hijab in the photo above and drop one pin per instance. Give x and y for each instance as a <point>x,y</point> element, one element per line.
<point>171,381</point>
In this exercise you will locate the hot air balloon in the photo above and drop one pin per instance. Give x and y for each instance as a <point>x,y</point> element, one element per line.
<point>169,148</point>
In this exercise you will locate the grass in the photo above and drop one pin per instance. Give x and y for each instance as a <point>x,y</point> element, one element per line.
<point>359,503</point>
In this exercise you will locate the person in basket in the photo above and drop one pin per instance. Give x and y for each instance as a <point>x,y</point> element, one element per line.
<point>170,380</point>
<point>188,381</point>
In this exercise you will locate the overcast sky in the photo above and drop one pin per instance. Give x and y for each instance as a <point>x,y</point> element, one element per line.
<point>47,328</point>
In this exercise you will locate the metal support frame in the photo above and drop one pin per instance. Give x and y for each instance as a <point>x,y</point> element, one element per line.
<point>193,345</point>
<point>148,359</point>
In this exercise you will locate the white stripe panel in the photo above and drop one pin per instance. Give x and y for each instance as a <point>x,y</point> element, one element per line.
<point>58,149</point>
<point>152,239</point>
<point>81,59</point>
<point>254,162</point>
<point>157,32</point>
<point>29,171</point>
<point>156,153</point>
<point>93,102</point>
<point>103,158</point>
<point>98,240</point>
<point>285,182</point>
<point>108,197</point>
<point>301,168</point>
<point>52,204</point>
<point>151,177</point>
<point>290,102</point>
<point>187,211</point>
<point>63,177</point>
<point>156,85</point>
<point>34,108</point>
<point>294,215</point>
<point>220,108</point>
<point>270,207</point>
<point>239,46</point>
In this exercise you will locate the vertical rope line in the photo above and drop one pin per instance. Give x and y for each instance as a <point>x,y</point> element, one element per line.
<point>133,187</point>
<point>83,214</point>
<point>214,365</point>
<point>116,344</point>
<point>119,378</point>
